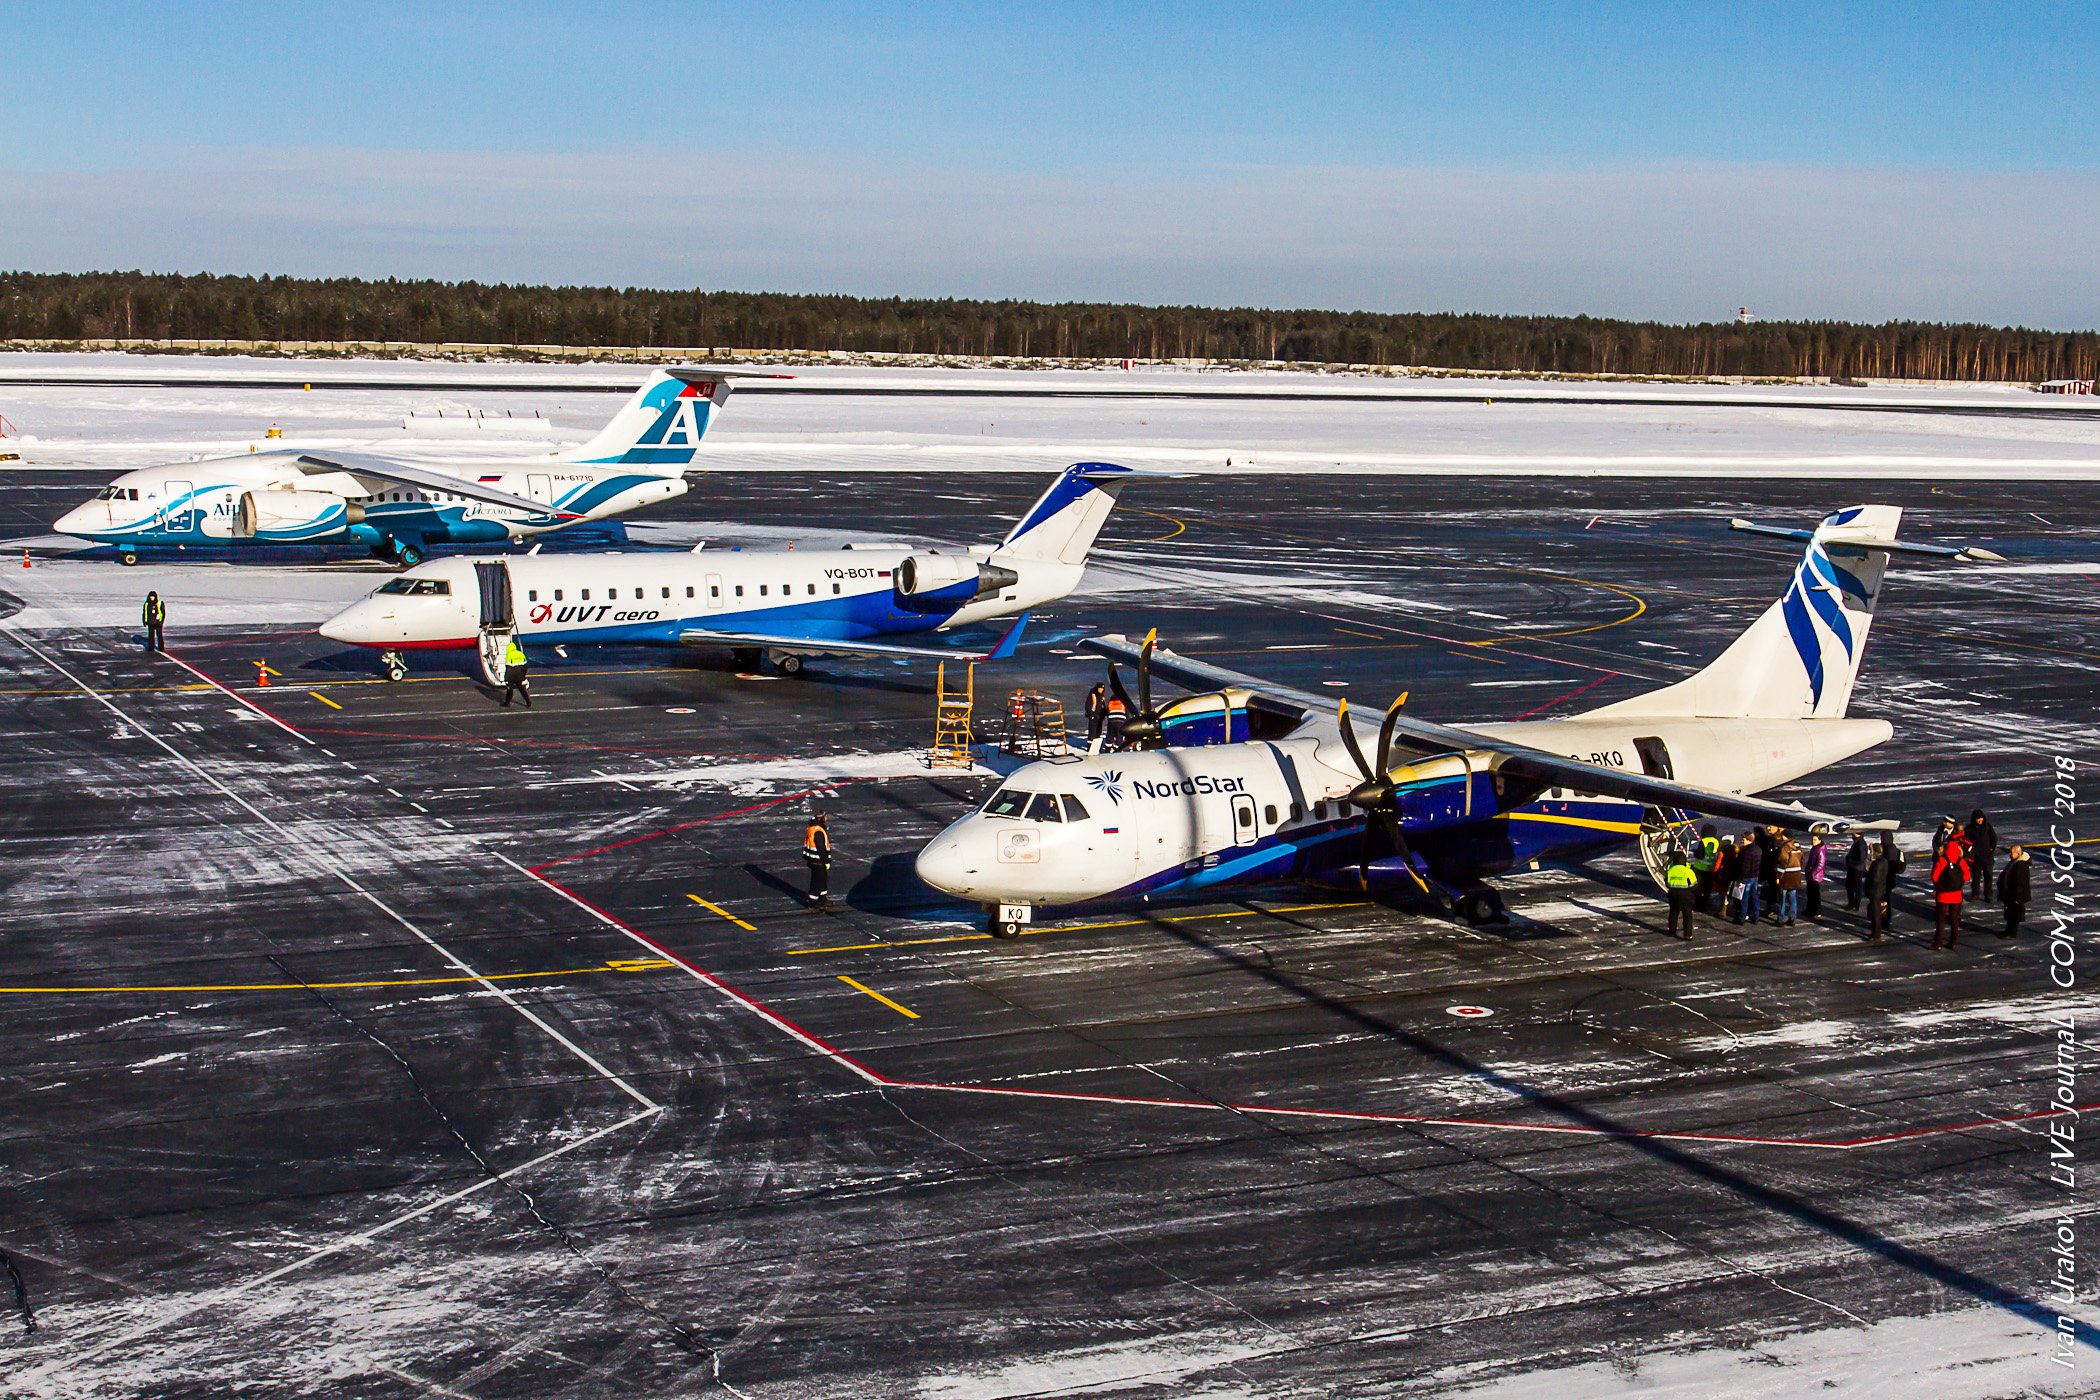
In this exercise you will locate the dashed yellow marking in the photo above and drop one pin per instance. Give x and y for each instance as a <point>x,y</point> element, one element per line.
<point>1354,633</point>
<point>324,699</point>
<point>870,991</point>
<point>624,965</point>
<point>1076,928</point>
<point>718,909</point>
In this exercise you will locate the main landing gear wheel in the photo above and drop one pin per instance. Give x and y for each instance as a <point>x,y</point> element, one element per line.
<point>128,558</point>
<point>788,665</point>
<point>1480,907</point>
<point>396,665</point>
<point>408,555</point>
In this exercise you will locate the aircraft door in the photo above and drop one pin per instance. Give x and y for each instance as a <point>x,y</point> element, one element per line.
<point>1655,757</point>
<point>540,486</point>
<point>497,621</point>
<point>714,592</point>
<point>181,504</point>
<point>1244,829</point>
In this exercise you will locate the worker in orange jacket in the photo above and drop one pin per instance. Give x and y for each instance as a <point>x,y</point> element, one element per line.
<point>816,854</point>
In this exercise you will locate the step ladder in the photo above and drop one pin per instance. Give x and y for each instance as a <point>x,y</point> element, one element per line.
<point>952,739</point>
<point>1035,725</point>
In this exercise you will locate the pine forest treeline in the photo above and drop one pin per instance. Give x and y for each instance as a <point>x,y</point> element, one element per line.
<point>148,306</point>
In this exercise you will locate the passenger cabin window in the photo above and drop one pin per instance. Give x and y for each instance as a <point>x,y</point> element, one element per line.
<point>557,595</point>
<point>586,595</point>
<point>1074,812</point>
<point>834,588</point>
<point>1268,813</point>
<point>689,590</point>
<point>740,590</point>
<point>761,590</point>
<point>813,590</point>
<point>667,592</point>
<point>532,595</point>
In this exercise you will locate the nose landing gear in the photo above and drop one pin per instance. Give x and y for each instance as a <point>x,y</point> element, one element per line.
<point>395,664</point>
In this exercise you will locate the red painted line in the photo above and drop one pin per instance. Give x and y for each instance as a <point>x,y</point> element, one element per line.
<point>240,698</point>
<point>875,1077</point>
<point>697,821</point>
<point>1569,696</point>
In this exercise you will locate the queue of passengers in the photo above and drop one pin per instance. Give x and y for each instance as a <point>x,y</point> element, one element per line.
<point>1765,875</point>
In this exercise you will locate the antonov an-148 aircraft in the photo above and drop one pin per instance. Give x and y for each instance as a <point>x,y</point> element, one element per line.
<point>784,603</point>
<point>1249,783</point>
<point>401,507</point>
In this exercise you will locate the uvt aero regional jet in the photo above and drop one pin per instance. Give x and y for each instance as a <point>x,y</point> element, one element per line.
<point>784,603</point>
<point>400,507</point>
<point>1249,783</point>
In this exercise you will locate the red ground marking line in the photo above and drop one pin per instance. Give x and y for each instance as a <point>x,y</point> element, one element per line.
<point>242,699</point>
<point>542,743</point>
<point>698,821</point>
<point>1569,696</point>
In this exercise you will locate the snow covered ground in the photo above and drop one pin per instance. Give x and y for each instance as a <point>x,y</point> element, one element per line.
<point>861,420</point>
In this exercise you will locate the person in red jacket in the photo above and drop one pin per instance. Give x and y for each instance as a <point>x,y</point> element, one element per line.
<point>1950,876</point>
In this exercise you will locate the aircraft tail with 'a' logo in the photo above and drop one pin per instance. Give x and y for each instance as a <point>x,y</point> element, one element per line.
<point>661,426</point>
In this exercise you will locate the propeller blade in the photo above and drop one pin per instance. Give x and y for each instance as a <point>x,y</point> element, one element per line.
<point>1145,673</point>
<point>1385,735</point>
<point>1400,848</point>
<point>1115,685</point>
<point>1348,727</point>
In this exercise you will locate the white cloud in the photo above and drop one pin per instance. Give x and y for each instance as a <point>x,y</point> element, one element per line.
<point>1671,241</point>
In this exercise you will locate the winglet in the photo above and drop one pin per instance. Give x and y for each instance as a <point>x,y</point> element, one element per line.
<point>1010,643</point>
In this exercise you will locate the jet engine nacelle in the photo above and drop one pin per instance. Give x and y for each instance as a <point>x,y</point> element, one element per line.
<point>305,515</point>
<point>939,582</point>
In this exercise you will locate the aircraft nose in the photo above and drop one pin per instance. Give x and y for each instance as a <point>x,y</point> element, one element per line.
<point>77,521</point>
<point>948,865</point>
<point>352,624</point>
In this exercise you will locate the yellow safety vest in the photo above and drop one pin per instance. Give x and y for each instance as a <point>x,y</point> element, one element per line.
<point>1680,876</point>
<point>1709,853</point>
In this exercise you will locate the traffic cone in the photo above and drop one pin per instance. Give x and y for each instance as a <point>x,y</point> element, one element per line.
<point>25,558</point>
<point>262,674</point>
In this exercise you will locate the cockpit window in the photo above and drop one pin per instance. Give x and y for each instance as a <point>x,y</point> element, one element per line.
<point>1044,809</point>
<point>417,587</point>
<point>1007,803</point>
<point>117,493</point>
<point>1073,811</point>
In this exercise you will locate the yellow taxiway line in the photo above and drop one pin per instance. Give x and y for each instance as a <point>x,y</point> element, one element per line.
<point>870,991</point>
<point>718,909</point>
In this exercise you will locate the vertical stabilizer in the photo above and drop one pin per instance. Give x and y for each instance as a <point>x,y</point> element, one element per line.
<point>661,426</point>
<point>1061,526</point>
<point>1799,660</point>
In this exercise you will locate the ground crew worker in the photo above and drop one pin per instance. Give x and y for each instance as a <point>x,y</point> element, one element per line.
<point>1983,852</point>
<point>515,667</point>
<point>1950,876</point>
<point>1856,858</point>
<point>1680,880</point>
<point>2015,889</point>
<point>816,854</point>
<point>1117,716</point>
<point>1096,712</point>
<point>1703,862</point>
<point>155,615</point>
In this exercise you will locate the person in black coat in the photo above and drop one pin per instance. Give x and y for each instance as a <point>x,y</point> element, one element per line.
<point>1749,872</point>
<point>2015,889</point>
<point>1882,872</point>
<point>1856,858</point>
<point>1983,851</point>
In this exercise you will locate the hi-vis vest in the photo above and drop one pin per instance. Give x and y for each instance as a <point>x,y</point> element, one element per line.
<point>154,611</point>
<point>1709,853</point>
<point>1116,705</point>
<point>514,655</point>
<point>816,843</point>
<point>1679,875</point>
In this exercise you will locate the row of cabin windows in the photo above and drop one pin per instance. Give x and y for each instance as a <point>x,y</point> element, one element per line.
<point>714,590</point>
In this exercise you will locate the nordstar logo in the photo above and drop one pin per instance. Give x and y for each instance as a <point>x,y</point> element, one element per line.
<point>1110,783</point>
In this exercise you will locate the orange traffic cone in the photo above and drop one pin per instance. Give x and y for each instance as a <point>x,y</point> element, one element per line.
<point>25,558</point>
<point>262,673</point>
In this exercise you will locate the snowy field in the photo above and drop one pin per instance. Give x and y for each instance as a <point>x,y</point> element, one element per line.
<point>1218,421</point>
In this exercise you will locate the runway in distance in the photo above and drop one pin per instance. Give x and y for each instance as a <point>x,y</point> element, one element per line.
<point>786,604</point>
<point>1248,783</point>
<point>400,507</point>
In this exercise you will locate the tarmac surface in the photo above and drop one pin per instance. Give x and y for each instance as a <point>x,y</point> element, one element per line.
<point>368,1037</point>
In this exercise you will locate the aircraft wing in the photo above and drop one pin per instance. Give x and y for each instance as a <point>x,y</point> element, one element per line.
<point>831,646</point>
<point>387,469</point>
<point>1519,760</point>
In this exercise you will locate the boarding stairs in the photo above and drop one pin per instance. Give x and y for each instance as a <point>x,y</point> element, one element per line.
<point>498,622</point>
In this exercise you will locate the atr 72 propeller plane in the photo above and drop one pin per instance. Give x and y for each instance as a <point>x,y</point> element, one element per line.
<point>400,508</point>
<point>786,603</point>
<point>1249,783</point>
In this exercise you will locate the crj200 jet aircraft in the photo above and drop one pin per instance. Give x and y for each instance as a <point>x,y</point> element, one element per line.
<point>786,603</point>
<point>1250,783</point>
<point>400,508</point>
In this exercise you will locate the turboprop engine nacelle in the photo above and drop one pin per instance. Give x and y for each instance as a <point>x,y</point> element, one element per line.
<point>309,515</point>
<point>938,582</point>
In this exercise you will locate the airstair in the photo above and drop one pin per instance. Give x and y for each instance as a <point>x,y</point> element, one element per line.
<point>498,623</point>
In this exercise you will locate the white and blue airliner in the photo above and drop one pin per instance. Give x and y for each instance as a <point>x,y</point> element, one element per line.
<point>778,604</point>
<point>400,507</point>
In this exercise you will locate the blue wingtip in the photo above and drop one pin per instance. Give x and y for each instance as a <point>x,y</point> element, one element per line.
<point>1011,642</point>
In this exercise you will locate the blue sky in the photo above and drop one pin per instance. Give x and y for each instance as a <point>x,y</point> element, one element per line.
<point>1623,159</point>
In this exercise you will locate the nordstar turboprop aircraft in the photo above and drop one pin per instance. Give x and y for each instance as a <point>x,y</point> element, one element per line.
<point>1249,783</point>
<point>401,507</point>
<point>786,603</point>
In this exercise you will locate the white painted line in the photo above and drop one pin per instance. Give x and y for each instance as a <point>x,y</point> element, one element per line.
<point>306,850</point>
<point>347,1242</point>
<point>200,676</point>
